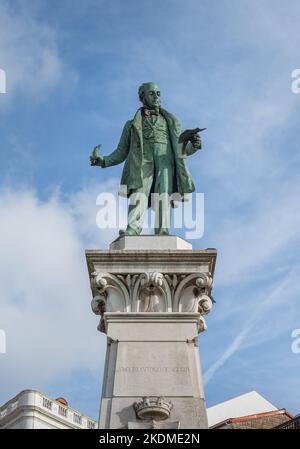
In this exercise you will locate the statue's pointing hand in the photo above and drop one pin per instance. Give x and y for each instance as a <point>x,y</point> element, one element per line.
<point>193,136</point>
<point>95,159</point>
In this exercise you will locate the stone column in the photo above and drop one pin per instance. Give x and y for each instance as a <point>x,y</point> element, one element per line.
<point>152,293</point>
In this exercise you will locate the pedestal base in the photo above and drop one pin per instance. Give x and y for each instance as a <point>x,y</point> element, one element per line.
<point>152,362</point>
<point>152,294</point>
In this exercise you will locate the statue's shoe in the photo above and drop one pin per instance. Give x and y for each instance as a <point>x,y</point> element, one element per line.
<point>128,231</point>
<point>162,231</point>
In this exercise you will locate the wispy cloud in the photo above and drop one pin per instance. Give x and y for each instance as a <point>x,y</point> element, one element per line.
<point>261,307</point>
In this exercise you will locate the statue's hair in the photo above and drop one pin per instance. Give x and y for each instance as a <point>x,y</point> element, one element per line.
<point>142,89</point>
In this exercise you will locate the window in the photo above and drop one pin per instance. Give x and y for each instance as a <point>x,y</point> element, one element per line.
<point>90,425</point>
<point>63,411</point>
<point>77,418</point>
<point>47,403</point>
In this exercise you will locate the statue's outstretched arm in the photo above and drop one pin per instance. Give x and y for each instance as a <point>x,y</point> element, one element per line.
<point>120,153</point>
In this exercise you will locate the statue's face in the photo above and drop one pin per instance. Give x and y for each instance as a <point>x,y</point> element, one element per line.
<point>151,97</point>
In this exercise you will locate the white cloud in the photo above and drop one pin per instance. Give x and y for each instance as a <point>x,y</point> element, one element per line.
<point>82,205</point>
<point>44,289</point>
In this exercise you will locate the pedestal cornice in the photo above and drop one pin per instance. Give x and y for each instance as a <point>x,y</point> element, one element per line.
<point>182,261</point>
<point>145,281</point>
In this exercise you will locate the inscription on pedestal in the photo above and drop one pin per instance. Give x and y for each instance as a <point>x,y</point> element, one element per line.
<point>153,369</point>
<point>148,369</point>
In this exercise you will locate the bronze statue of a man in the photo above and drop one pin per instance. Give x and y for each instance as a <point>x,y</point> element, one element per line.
<point>154,173</point>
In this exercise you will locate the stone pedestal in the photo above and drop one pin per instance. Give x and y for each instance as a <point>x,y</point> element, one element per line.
<point>152,303</point>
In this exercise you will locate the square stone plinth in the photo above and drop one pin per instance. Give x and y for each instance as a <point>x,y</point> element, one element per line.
<point>150,242</point>
<point>152,355</point>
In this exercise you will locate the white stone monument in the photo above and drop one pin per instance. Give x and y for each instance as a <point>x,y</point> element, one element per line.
<point>152,293</point>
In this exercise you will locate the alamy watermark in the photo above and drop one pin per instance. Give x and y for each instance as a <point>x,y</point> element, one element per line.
<point>2,342</point>
<point>188,215</point>
<point>295,86</point>
<point>296,343</point>
<point>2,82</point>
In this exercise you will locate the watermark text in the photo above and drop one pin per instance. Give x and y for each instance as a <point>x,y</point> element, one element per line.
<point>2,82</point>
<point>152,212</point>
<point>295,86</point>
<point>2,342</point>
<point>296,343</point>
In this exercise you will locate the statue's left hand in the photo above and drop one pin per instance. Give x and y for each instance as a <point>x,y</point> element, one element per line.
<point>96,161</point>
<point>196,141</point>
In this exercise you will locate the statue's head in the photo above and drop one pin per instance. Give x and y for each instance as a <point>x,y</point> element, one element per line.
<point>149,94</point>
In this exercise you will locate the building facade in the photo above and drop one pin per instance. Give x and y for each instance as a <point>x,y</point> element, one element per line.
<point>31,409</point>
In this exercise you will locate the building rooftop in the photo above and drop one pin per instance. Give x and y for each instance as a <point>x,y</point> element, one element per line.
<point>55,411</point>
<point>265,420</point>
<point>244,405</point>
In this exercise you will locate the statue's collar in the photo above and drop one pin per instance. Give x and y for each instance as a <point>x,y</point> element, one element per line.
<point>150,111</point>
<point>137,119</point>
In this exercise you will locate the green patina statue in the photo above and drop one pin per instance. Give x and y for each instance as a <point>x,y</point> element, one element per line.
<point>155,172</point>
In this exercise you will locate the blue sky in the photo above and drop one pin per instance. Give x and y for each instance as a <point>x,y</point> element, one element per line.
<point>73,69</point>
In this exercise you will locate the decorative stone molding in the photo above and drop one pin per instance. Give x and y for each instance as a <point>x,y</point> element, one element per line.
<point>193,294</point>
<point>174,280</point>
<point>151,292</point>
<point>98,305</point>
<point>202,325</point>
<point>110,294</point>
<point>153,408</point>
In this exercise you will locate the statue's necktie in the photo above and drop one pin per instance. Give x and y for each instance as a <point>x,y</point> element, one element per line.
<point>149,112</point>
